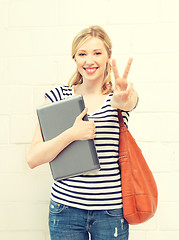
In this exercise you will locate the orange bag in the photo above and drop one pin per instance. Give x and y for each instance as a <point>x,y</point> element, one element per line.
<point>139,189</point>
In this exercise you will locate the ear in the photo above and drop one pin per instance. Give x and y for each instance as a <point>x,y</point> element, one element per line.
<point>109,58</point>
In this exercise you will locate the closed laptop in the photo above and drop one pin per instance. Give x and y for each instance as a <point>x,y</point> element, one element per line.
<point>79,157</point>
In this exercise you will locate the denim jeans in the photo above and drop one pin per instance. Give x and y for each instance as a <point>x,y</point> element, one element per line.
<point>68,223</point>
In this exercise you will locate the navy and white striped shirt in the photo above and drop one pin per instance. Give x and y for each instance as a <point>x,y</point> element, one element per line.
<point>99,190</point>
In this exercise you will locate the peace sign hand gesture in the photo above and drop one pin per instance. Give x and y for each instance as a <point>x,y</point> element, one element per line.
<point>124,95</point>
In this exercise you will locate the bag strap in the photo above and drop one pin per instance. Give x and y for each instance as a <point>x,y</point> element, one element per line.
<point>121,120</point>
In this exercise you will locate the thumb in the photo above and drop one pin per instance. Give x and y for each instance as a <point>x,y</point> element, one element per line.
<point>81,116</point>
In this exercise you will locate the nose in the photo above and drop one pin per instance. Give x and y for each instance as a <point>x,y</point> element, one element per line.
<point>89,59</point>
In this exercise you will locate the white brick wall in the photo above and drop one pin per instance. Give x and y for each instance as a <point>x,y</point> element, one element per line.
<point>35,45</point>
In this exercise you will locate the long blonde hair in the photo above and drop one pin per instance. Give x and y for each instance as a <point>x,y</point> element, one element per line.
<point>82,37</point>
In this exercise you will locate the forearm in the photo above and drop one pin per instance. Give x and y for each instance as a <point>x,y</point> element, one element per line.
<point>45,152</point>
<point>128,105</point>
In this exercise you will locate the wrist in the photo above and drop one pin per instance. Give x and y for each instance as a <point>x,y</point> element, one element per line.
<point>128,105</point>
<point>72,134</point>
<point>132,102</point>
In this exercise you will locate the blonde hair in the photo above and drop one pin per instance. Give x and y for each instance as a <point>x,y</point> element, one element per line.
<point>79,40</point>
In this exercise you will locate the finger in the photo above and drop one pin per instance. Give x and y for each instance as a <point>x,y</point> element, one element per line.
<point>127,69</point>
<point>81,116</point>
<point>126,94</point>
<point>92,124</point>
<point>130,90</point>
<point>115,70</point>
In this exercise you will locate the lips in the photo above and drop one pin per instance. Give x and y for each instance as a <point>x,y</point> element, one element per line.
<point>90,70</point>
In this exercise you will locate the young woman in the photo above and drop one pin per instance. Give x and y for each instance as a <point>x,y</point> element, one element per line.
<point>90,203</point>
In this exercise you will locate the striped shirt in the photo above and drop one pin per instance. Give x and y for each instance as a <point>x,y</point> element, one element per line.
<point>99,190</point>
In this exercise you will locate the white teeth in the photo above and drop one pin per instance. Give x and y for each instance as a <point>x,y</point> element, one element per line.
<point>90,69</point>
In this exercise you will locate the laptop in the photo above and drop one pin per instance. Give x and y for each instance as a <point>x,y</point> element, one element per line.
<point>80,157</point>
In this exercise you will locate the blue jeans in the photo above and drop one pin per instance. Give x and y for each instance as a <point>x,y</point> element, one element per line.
<point>68,223</point>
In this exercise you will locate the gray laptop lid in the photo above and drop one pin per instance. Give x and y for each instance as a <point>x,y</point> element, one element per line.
<point>80,156</point>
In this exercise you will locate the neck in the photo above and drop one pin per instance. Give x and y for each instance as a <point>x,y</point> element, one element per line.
<point>91,88</point>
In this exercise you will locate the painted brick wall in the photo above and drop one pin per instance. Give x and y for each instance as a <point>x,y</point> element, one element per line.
<point>35,44</point>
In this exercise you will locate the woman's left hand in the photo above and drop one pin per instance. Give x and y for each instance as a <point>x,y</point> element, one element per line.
<point>124,95</point>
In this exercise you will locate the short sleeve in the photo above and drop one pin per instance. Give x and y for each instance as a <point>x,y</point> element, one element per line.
<point>55,94</point>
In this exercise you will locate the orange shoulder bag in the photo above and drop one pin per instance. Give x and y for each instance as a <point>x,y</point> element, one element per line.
<point>139,189</point>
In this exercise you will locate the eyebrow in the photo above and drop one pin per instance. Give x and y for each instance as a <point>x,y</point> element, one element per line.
<point>98,49</point>
<point>83,50</point>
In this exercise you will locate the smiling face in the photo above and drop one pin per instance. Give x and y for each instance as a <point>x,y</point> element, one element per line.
<point>91,59</point>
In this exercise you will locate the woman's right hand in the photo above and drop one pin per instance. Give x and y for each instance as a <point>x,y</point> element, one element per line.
<point>83,130</point>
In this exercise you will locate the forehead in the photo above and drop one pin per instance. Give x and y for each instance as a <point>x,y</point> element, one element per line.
<point>92,44</point>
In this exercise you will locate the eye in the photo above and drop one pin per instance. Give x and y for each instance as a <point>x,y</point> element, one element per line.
<point>81,54</point>
<point>98,53</point>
